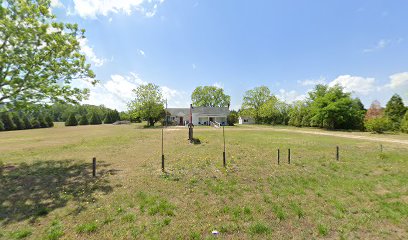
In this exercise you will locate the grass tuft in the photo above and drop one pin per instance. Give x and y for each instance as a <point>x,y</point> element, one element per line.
<point>259,228</point>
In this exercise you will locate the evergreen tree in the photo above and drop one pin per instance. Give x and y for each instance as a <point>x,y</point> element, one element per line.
<point>41,120</point>
<point>83,120</point>
<point>115,116</point>
<point>1,126</point>
<point>108,118</point>
<point>395,111</point>
<point>404,123</point>
<point>9,125</point>
<point>27,122</point>
<point>35,123</point>
<point>71,121</point>
<point>49,121</point>
<point>95,119</point>
<point>19,123</point>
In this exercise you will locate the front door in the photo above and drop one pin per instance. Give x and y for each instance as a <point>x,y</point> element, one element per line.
<point>181,121</point>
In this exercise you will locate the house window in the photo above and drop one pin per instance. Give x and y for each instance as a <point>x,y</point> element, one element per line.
<point>245,120</point>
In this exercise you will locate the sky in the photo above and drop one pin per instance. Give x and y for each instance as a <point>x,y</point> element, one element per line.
<point>288,46</point>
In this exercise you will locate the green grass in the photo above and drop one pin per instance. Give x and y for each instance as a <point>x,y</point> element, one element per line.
<point>47,190</point>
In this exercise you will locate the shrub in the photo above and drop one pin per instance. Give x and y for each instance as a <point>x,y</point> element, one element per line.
<point>49,121</point>
<point>71,121</point>
<point>108,118</point>
<point>404,123</point>
<point>35,123</point>
<point>8,122</point>
<point>43,123</point>
<point>377,125</point>
<point>115,116</point>
<point>27,122</point>
<point>95,119</point>
<point>232,118</point>
<point>83,120</point>
<point>19,123</point>
<point>1,126</point>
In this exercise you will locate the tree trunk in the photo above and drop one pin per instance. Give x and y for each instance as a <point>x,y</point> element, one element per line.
<point>151,122</point>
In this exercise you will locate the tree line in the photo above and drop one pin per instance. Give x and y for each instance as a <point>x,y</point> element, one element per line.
<point>325,107</point>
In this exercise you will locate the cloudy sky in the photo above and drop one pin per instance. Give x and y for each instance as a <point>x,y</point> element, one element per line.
<point>288,46</point>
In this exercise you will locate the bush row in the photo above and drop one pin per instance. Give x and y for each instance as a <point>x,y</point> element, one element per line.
<point>73,120</point>
<point>10,122</point>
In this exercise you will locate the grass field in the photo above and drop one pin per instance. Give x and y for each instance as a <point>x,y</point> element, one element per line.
<point>47,190</point>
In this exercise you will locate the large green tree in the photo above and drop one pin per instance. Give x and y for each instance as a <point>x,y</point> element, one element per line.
<point>395,111</point>
<point>39,57</point>
<point>254,99</point>
<point>148,103</point>
<point>210,96</point>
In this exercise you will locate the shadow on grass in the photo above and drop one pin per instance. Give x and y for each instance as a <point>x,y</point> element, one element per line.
<point>29,191</point>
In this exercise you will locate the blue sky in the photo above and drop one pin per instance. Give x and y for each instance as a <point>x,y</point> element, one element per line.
<point>286,45</point>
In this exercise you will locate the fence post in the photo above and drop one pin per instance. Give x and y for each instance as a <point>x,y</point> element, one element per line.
<point>278,156</point>
<point>223,154</point>
<point>289,155</point>
<point>162,163</point>
<point>94,166</point>
<point>381,147</point>
<point>337,153</point>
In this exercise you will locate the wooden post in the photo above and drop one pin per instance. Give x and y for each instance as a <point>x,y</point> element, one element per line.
<point>223,154</point>
<point>337,153</point>
<point>289,155</point>
<point>278,156</point>
<point>381,147</point>
<point>162,151</point>
<point>94,167</point>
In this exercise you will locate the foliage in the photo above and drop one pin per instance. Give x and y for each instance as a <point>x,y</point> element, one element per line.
<point>1,126</point>
<point>18,122</point>
<point>210,96</point>
<point>83,120</point>
<point>395,111</point>
<point>39,56</point>
<point>148,103</point>
<point>111,117</point>
<point>42,121</point>
<point>374,111</point>
<point>35,123</point>
<point>404,123</point>
<point>27,122</point>
<point>332,108</point>
<point>95,119</point>
<point>232,118</point>
<point>71,121</point>
<point>8,122</point>
<point>299,114</point>
<point>377,125</point>
<point>254,99</point>
<point>49,121</point>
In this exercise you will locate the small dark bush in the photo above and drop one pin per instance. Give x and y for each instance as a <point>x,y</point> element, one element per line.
<point>95,119</point>
<point>71,121</point>
<point>49,121</point>
<point>1,126</point>
<point>43,123</point>
<point>35,123</point>
<point>8,122</point>
<point>108,118</point>
<point>27,122</point>
<point>83,120</point>
<point>19,123</point>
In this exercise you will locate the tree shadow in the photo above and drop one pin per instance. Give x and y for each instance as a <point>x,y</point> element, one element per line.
<point>29,191</point>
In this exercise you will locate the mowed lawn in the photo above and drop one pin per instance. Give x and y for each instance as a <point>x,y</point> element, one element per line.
<point>47,190</point>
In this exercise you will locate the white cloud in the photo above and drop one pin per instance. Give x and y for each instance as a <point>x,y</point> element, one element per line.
<point>218,85</point>
<point>398,81</point>
<point>93,8</point>
<point>56,4</point>
<point>312,82</point>
<point>118,91</point>
<point>380,45</point>
<point>90,54</point>
<point>193,66</point>
<point>355,84</point>
<point>290,96</point>
<point>141,52</point>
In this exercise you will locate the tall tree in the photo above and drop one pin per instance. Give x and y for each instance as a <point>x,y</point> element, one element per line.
<point>210,96</point>
<point>375,110</point>
<point>148,103</point>
<point>39,57</point>
<point>395,111</point>
<point>254,99</point>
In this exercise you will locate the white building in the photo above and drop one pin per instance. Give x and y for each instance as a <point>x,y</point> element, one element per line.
<point>200,115</point>
<point>246,120</point>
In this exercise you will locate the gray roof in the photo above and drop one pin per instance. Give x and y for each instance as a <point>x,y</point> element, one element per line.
<point>199,110</point>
